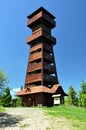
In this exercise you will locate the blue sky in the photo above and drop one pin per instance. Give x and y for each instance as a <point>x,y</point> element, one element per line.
<point>70,32</point>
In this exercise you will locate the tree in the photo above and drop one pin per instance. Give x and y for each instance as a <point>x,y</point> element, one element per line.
<point>72,97</point>
<point>19,99</point>
<point>0,101</point>
<point>21,87</point>
<point>18,102</point>
<point>82,95</point>
<point>3,81</point>
<point>6,98</point>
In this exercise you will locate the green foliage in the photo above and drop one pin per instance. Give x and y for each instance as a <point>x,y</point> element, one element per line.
<point>2,109</point>
<point>6,98</point>
<point>72,97</point>
<point>83,100</point>
<point>83,87</point>
<point>18,102</point>
<point>0,101</point>
<point>3,81</point>
<point>21,87</point>
<point>82,95</point>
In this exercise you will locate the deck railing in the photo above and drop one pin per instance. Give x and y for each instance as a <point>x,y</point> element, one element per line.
<point>33,78</point>
<point>34,66</point>
<point>35,56</point>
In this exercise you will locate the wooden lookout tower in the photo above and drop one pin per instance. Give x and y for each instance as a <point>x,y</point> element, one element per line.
<point>41,84</point>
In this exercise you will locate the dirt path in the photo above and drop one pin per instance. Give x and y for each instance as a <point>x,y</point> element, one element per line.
<point>23,119</point>
<point>31,119</point>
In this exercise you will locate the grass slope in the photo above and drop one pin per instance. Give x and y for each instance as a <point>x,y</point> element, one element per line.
<point>76,117</point>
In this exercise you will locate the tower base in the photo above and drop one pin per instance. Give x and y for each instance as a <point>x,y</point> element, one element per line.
<point>38,99</point>
<point>41,95</point>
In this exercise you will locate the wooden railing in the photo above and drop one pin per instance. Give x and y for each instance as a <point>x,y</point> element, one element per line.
<point>48,57</point>
<point>34,18</point>
<point>35,35</point>
<point>48,67</point>
<point>49,19</point>
<point>35,56</point>
<point>33,78</point>
<point>47,47</point>
<point>49,78</point>
<point>36,47</point>
<point>51,38</point>
<point>38,16</point>
<point>34,66</point>
<point>39,33</point>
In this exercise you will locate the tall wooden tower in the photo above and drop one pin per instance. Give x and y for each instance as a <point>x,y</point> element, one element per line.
<point>41,77</point>
<point>41,64</point>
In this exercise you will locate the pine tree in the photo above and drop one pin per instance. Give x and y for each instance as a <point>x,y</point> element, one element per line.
<point>6,98</point>
<point>21,87</point>
<point>72,97</point>
<point>82,95</point>
<point>3,81</point>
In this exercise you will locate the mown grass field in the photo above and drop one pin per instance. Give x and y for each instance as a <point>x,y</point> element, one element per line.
<point>74,116</point>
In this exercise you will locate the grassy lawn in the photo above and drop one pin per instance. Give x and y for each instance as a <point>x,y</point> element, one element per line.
<point>76,116</point>
<point>2,109</point>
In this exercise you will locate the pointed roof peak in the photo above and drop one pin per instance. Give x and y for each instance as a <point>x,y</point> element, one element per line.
<point>41,9</point>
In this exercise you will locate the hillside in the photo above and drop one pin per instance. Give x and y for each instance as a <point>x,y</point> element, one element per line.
<point>54,118</point>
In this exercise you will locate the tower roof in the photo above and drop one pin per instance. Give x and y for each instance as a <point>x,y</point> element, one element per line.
<point>56,89</point>
<point>41,9</point>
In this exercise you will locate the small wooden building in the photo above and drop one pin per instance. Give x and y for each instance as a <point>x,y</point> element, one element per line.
<point>41,78</point>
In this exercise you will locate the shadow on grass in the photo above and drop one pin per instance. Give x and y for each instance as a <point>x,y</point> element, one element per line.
<point>7,120</point>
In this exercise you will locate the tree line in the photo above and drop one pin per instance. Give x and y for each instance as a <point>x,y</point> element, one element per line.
<point>5,94</point>
<point>74,98</point>
<point>77,98</point>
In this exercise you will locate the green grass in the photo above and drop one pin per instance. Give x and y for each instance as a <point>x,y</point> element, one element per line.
<point>69,112</point>
<point>74,116</point>
<point>2,109</point>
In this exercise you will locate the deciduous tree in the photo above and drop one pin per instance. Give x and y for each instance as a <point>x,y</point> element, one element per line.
<point>18,102</point>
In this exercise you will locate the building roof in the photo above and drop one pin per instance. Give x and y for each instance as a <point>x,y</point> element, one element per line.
<point>56,89</point>
<point>41,9</point>
<point>31,90</point>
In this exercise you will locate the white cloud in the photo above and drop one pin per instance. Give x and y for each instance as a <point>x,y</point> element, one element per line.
<point>15,89</point>
<point>11,92</point>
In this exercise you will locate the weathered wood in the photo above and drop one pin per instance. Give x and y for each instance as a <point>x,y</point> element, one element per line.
<point>49,68</point>
<point>41,76</point>
<point>48,57</point>
<point>40,33</point>
<point>33,78</point>
<point>35,56</point>
<point>47,47</point>
<point>36,47</point>
<point>34,66</point>
<point>50,79</point>
<point>34,18</point>
<point>41,15</point>
<point>41,67</point>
